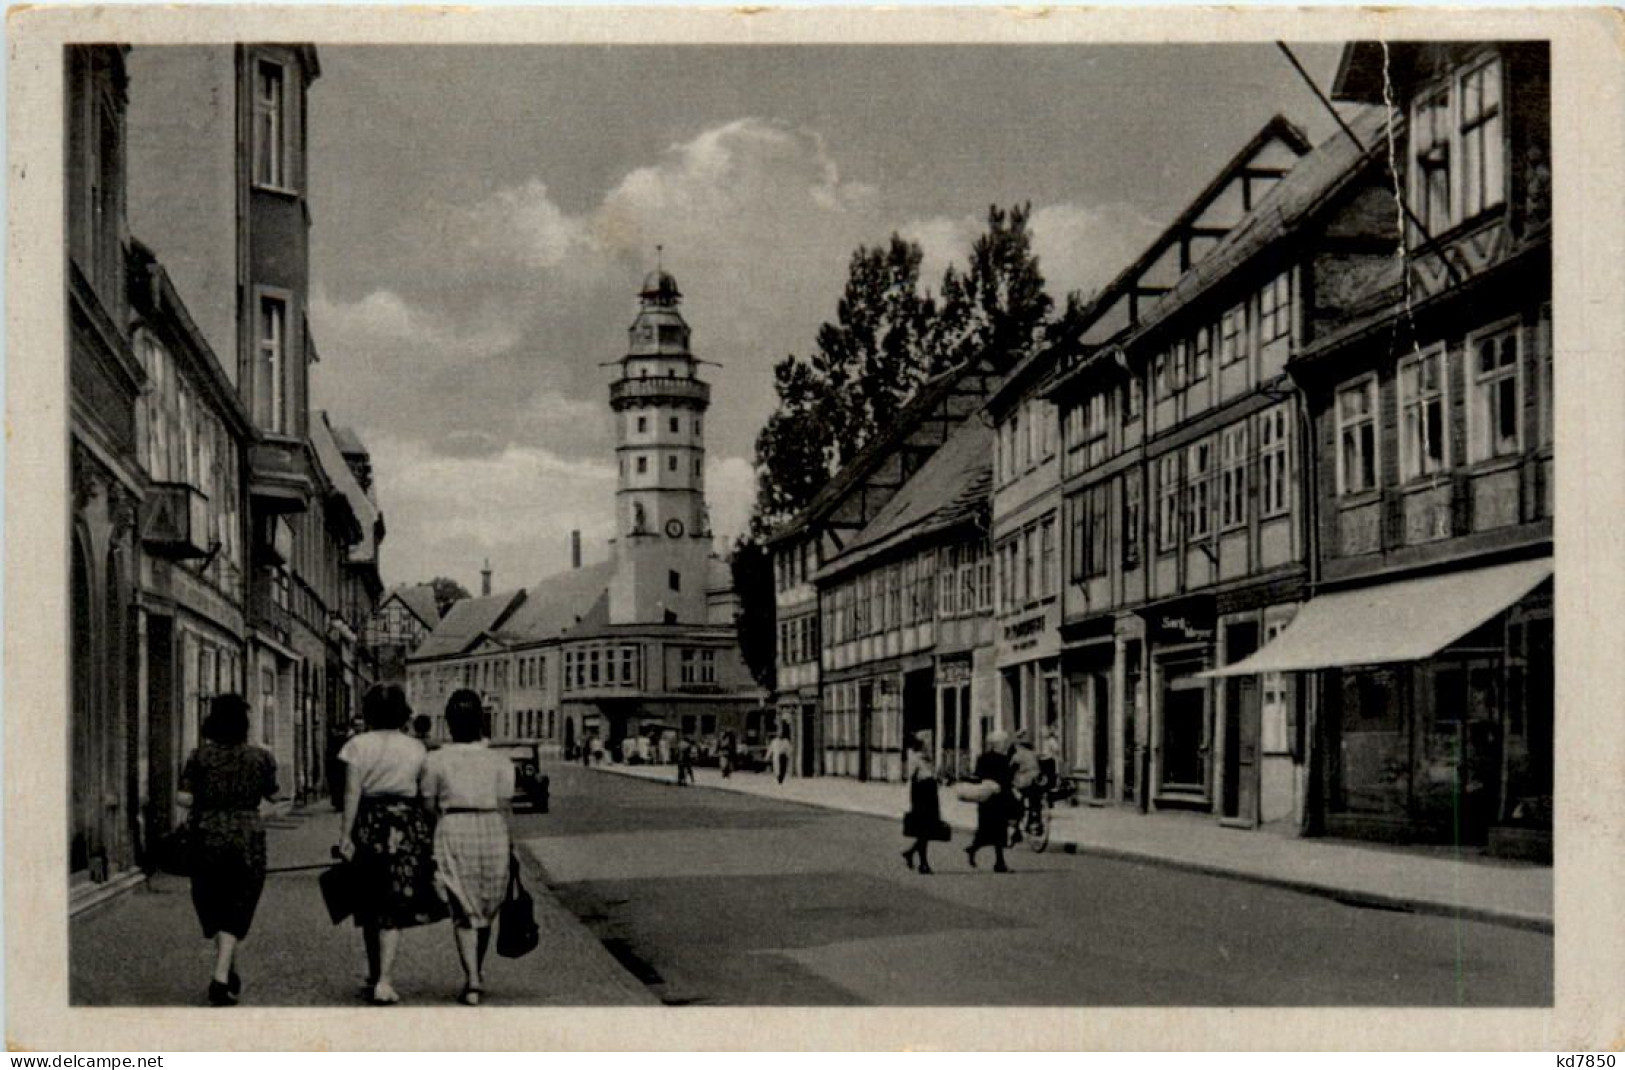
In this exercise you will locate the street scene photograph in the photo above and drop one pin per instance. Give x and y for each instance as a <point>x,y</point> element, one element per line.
<point>673,525</point>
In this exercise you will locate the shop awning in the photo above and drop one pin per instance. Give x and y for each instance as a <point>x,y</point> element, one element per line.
<point>1402,621</point>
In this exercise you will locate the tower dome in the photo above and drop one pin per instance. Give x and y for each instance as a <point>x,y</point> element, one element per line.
<point>660,289</point>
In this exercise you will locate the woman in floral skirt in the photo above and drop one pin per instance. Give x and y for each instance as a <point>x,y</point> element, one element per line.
<point>387,834</point>
<point>471,789</point>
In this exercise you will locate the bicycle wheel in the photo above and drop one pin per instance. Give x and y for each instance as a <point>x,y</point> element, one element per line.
<point>1038,835</point>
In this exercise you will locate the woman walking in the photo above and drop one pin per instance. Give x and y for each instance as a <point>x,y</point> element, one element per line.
<point>386,833</point>
<point>224,781</point>
<point>471,789</point>
<point>924,814</point>
<point>993,813</point>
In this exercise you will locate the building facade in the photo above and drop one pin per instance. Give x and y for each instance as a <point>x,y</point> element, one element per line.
<point>1429,638</point>
<point>404,618</point>
<point>639,646</point>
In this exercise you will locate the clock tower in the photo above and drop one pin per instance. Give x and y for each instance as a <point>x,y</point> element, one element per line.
<point>662,527</point>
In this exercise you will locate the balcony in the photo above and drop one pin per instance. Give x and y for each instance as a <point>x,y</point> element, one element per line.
<point>267,614</point>
<point>659,388</point>
<point>279,475</point>
<point>176,522</point>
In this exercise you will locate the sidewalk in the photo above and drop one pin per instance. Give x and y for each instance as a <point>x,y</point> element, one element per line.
<point>1424,880</point>
<point>145,949</point>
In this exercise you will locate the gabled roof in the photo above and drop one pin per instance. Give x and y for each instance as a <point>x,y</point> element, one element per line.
<point>419,600</point>
<point>949,488</point>
<point>337,472</point>
<point>1287,206</point>
<point>931,394</point>
<point>466,622</point>
<point>557,604</point>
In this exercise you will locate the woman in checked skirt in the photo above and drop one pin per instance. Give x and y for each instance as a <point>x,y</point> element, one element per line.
<point>471,788</point>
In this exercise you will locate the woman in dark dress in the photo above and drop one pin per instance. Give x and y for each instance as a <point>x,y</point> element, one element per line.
<point>226,779</point>
<point>993,813</point>
<point>924,814</point>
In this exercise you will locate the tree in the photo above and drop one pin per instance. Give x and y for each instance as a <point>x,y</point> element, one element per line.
<point>997,306</point>
<point>866,365</point>
<point>752,566</point>
<point>447,591</point>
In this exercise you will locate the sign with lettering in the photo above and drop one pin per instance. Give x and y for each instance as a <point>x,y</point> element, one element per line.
<point>1183,628</point>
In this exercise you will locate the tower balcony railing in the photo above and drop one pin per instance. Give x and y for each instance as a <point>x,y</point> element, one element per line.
<point>659,388</point>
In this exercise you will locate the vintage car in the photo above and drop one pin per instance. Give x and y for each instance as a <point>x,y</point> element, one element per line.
<point>529,785</point>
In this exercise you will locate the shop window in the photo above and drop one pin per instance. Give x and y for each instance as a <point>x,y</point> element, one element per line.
<point>1357,437</point>
<point>1494,412</point>
<point>1422,409</point>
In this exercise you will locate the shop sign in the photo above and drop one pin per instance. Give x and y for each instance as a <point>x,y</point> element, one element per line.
<point>1024,633</point>
<point>1183,628</point>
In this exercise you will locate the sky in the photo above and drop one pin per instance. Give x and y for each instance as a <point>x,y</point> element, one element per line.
<point>483,216</point>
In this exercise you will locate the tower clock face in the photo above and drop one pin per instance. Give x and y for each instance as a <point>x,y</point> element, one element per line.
<point>674,528</point>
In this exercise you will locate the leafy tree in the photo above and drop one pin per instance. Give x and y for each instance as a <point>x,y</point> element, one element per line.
<point>752,566</point>
<point>997,305</point>
<point>447,591</point>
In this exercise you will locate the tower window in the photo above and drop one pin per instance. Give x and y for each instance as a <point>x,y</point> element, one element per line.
<point>270,401</point>
<point>696,427</point>
<point>643,424</point>
<point>674,580</point>
<point>671,463</point>
<point>270,130</point>
<point>643,464</point>
<point>674,425</point>
<point>696,466</point>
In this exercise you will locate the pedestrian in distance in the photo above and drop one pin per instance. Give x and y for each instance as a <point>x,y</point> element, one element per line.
<point>1026,776</point>
<point>223,783</point>
<point>923,822</point>
<point>725,752</point>
<point>470,790</point>
<point>778,754</point>
<point>685,761</point>
<point>993,812</point>
<point>387,835</point>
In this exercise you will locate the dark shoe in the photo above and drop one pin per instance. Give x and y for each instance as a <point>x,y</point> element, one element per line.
<point>220,995</point>
<point>924,868</point>
<point>908,859</point>
<point>470,996</point>
<point>1002,868</point>
<point>234,984</point>
<point>970,856</point>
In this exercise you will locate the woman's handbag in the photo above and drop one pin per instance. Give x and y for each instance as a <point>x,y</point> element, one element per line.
<point>976,791</point>
<point>341,890</point>
<point>517,932</point>
<point>176,849</point>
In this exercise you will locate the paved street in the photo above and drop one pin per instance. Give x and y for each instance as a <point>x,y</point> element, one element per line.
<point>717,898</point>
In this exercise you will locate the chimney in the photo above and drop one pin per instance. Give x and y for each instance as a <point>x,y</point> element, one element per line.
<point>485,579</point>
<point>575,548</point>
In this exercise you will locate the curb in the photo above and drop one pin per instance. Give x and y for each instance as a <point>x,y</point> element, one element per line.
<point>1509,919</point>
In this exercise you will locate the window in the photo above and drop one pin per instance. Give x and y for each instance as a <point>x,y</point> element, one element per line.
<point>1168,502</point>
<point>696,466</point>
<point>1483,182</point>
<point>674,425</point>
<point>948,592</point>
<point>1093,505</point>
<point>894,595</point>
<point>592,666</point>
<point>629,666</point>
<point>1092,433</point>
<point>671,462</point>
<point>1233,477</point>
<point>1201,355</point>
<point>270,402</point>
<point>688,668</point>
<point>1357,437</point>
<point>1494,409</point>
<point>674,580</point>
<point>1160,386</point>
<point>1199,489</point>
<point>1049,580</point>
<point>697,426</point>
<point>1422,408</point>
<point>1543,358</point>
<point>1029,565</point>
<point>1233,336</point>
<point>643,424</point>
<point>1133,399</point>
<point>1275,309</point>
<point>1274,462</point>
<point>1131,521</point>
<point>643,465</point>
<point>984,581</point>
<point>1430,159</point>
<point>270,133</point>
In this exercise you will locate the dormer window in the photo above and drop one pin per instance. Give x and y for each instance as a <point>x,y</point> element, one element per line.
<point>1458,150</point>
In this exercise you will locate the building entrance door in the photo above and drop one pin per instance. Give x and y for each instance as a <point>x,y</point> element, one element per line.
<point>1186,727</point>
<point>809,749</point>
<point>1099,685</point>
<point>1242,710</point>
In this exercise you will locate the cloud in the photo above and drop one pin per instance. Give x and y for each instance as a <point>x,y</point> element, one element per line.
<point>730,490</point>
